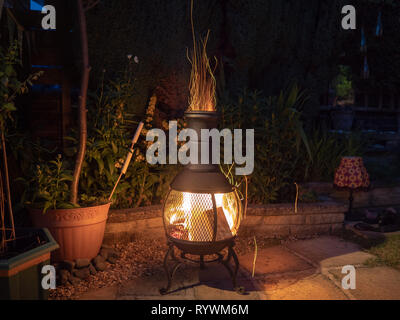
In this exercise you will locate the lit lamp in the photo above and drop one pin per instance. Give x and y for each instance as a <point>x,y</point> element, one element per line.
<point>351,175</point>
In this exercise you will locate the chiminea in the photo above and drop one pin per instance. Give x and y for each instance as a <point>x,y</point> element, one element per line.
<point>202,210</point>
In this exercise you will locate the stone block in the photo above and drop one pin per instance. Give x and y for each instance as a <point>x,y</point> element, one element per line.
<point>252,220</point>
<point>323,218</point>
<point>336,228</point>
<point>300,230</point>
<point>284,219</point>
<point>273,230</point>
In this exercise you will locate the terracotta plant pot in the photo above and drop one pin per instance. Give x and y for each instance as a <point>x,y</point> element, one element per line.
<point>78,231</point>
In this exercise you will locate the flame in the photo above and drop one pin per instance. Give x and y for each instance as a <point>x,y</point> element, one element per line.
<point>202,81</point>
<point>191,216</point>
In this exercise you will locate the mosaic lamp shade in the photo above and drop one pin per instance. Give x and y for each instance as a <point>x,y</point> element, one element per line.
<point>351,174</point>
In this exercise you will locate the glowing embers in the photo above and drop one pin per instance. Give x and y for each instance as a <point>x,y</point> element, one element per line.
<point>192,217</point>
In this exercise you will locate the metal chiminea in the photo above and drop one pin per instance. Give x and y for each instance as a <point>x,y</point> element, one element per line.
<point>202,211</point>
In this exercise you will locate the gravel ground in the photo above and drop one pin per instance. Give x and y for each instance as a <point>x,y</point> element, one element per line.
<point>138,258</point>
<point>142,258</point>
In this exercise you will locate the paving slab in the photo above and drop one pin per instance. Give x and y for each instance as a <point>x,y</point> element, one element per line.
<point>107,293</point>
<point>215,281</point>
<point>273,260</point>
<point>329,251</point>
<point>165,297</point>
<point>378,283</point>
<point>150,286</point>
<point>273,282</point>
<point>223,291</point>
<point>315,287</point>
<point>301,270</point>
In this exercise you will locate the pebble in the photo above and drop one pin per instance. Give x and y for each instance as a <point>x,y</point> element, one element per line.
<point>112,259</point>
<point>74,281</point>
<point>82,263</point>
<point>68,265</point>
<point>104,253</point>
<point>113,253</point>
<point>99,263</point>
<point>64,276</point>
<point>92,269</point>
<point>82,273</point>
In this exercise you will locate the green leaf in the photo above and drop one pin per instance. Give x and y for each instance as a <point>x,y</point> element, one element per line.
<point>114,147</point>
<point>9,70</point>
<point>67,205</point>
<point>100,163</point>
<point>47,206</point>
<point>9,106</point>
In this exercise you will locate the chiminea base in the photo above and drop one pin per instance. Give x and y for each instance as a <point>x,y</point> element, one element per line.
<point>224,260</point>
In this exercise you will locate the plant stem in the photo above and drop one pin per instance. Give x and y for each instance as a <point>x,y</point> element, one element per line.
<point>255,257</point>
<point>141,192</point>
<point>82,105</point>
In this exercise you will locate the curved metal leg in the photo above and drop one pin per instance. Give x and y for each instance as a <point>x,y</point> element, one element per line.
<point>170,275</point>
<point>233,274</point>
<point>177,262</point>
<point>239,290</point>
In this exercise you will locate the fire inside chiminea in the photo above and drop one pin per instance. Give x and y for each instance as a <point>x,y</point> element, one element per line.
<point>202,211</point>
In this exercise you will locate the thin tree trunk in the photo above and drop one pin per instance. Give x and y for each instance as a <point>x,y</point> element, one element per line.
<point>8,191</point>
<point>82,104</point>
<point>3,242</point>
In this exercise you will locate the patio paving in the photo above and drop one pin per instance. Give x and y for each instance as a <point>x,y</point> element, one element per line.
<point>301,270</point>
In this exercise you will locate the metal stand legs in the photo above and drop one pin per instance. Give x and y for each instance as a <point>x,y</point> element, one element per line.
<point>170,272</point>
<point>233,274</point>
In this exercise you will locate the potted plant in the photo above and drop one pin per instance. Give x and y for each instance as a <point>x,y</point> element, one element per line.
<point>23,252</point>
<point>78,229</point>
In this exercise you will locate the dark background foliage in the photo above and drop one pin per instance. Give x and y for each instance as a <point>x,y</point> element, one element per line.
<point>260,44</point>
<point>262,47</point>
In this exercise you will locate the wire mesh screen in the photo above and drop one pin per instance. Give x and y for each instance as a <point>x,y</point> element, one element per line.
<point>191,217</point>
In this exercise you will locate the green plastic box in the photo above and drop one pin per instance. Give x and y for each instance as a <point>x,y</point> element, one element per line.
<point>21,276</point>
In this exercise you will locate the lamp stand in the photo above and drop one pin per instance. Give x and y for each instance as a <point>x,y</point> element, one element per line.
<point>351,198</point>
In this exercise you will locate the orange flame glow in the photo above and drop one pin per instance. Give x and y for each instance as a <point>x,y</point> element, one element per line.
<point>202,81</point>
<point>191,208</point>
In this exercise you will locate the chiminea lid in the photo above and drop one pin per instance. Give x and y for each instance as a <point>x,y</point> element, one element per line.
<point>197,181</point>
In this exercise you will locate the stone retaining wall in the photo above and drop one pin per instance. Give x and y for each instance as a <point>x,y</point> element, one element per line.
<point>377,196</point>
<point>279,220</point>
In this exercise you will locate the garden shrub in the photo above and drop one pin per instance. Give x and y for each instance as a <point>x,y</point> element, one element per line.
<point>110,130</point>
<point>327,149</point>
<point>280,141</point>
<point>284,153</point>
